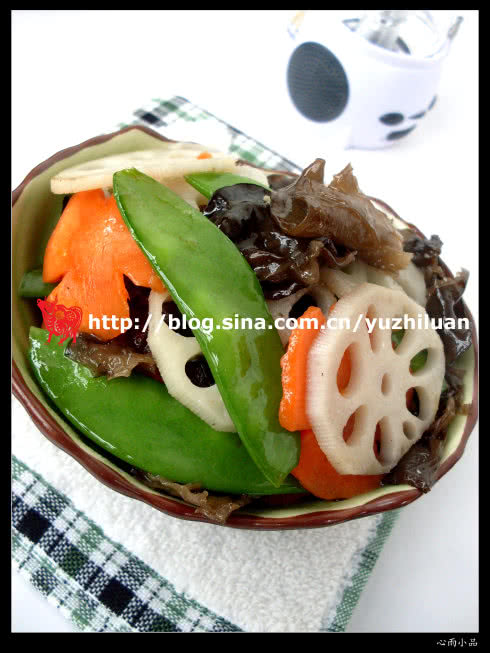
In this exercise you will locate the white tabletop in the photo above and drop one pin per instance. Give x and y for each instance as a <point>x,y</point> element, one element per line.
<point>77,73</point>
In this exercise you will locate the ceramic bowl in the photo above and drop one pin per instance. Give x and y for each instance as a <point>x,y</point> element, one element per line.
<point>34,210</point>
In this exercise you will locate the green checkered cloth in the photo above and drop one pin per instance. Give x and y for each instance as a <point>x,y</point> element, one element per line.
<point>94,581</point>
<point>161,114</point>
<point>101,586</point>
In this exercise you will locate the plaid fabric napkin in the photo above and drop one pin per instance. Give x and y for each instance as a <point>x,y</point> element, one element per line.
<point>140,575</point>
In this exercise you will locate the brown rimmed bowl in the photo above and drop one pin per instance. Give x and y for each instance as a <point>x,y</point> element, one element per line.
<point>34,210</point>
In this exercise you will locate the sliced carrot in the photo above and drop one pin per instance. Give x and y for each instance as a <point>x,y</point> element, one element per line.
<point>314,471</point>
<point>88,253</point>
<point>292,410</point>
<point>319,477</point>
<point>205,155</point>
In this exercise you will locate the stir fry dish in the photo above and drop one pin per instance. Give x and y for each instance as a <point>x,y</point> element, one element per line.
<point>246,334</point>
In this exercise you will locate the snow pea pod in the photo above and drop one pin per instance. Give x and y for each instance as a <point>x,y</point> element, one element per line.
<point>32,285</point>
<point>209,278</point>
<point>136,420</point>
<point>207,183</point>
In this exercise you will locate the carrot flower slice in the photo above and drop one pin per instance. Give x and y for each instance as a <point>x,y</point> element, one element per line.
<point>88,253</point>
<point>292,410</point>
<point>319,477</point>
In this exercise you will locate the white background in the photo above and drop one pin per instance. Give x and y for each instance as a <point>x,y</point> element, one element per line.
<point>77,73</point>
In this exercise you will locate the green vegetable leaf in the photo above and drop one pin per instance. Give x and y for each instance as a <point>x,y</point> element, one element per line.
<point>208,277</point>
<point>207,183</point>
<point>136,420</point>
<point>32,285</point>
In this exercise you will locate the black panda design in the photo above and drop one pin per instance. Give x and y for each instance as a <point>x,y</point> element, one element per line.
<point>396,118</point>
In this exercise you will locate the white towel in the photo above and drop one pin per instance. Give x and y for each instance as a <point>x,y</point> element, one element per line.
<point>286,581</point>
